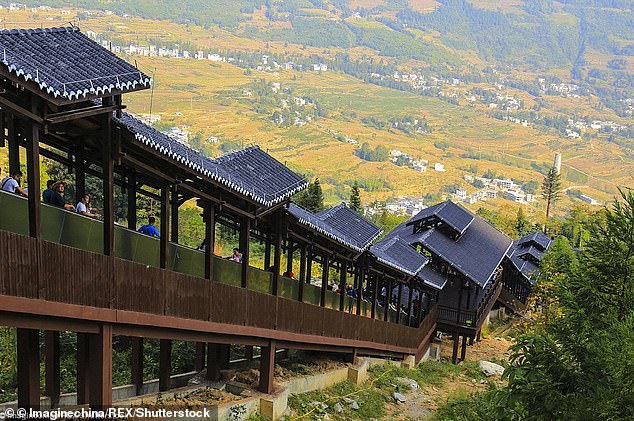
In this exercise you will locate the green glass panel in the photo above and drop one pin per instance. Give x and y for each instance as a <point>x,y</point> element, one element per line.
<point>259,280</point>
<point>288,288</point>
<point>15,213</point>
<point>227,272</point>
<point>312,294</point>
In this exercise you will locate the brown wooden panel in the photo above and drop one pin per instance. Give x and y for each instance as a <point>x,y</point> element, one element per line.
<point>75,276</point>
<point>138,287</point>
<point>187,296</point>
<point>290,315</point>
<point>261,310</point>
<point>351,325</point>
<point>313,322</point>
<point>333,323</point>
<point>20,265</point>
<point>380,332</point>
<point>366,329</point>
<point>228,304</point>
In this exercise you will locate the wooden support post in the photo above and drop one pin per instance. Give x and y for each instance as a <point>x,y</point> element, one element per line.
<point>277,252</point>
<point>213,363</point>
<point>245,240</point>
<point>361,279</point>
<point>132,200</point>
<point>165,364</point>
<point>267,251</point>
<point>410,303</point>
<point>108,182</point>
<point>470,340</point>
<point>174,215</point>
<point>463,351</point>
<point>13,143</point>
<point>388,300</point>
<point>302,271</point>
<point>33,176</point>
<point>267,368</point>
<point>100,363</point>
<point>454,355</point>
<point>199,360</point>
<point>343,277</point>
<point>248,352</point>
<point>80,171</point>
<point>289,255</point>
<point>52,359</point>
<point>136,364</point>
<point>28,350</point>
<point>375,293</point>
<point>224,355</point>
<point>399,302</point>
<point>478,335</point>
<point>352,357</point>
<point>325,268</point>
<point>164,239</point>
<point>83,352</point>
<point>309,264</point>
<point>209,214</point>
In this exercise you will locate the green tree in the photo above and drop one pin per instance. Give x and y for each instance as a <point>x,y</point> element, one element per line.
<point>581,366</point>
<point>522,225</point>
<point>316,197</point>
<point>355,198</point>
<point>551,189</point>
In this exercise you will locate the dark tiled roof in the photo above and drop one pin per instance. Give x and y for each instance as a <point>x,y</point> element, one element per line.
<point>527,253</point>
<point>538,238</point>
<point>351,224</point>
<point>432,277</point>
<point>398,254</point>
<point>476,254</point>
<point>339,223</point>
<point>65,63</point>
<point>454,216</point>
<point>251,172</point>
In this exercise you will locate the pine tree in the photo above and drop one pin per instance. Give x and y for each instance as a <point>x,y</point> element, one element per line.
<point>522,224</point>
<point>355,198</point>
<point>315,197</point>
<point>551,190</point>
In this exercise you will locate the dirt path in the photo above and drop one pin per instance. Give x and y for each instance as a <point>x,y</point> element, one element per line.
<point>422,403</point>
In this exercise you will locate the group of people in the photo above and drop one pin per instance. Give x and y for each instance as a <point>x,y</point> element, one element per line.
<point>53,195</point>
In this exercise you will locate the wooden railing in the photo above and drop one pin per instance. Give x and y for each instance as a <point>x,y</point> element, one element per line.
<point>48,271</point>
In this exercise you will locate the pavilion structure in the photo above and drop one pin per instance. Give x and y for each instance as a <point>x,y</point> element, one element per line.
<point>62,99</point>
<point>466,256</point>
<point>521,269</point>
<point>353,292</point>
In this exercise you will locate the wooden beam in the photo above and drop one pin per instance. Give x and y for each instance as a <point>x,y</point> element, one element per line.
<point>267,368</point>
<point>289,255</point>
<point>164,238</point>
<point>33,175</point>
<point>100,361</point>
<point>165,364</point>
<point>454,355</point>
<point>9,105</point>
<point>81,113</point>
<point>209,214</point>
<point>132,217</point>
<point>302,271</point>
<point>174,214</point>
<point>136,364</point>
<point>343,277</point>
<point>13,144</point>
<point>52,368</point>
<point>399,302</point>
<point>83,353</point>
<point>213,363</point>
<point>80,172</point>
<point>361,273</point>
<point>388,300</point>
<point>245,242</point>
<point>199,360</point>
<point>277,252</point>
<point>375,293</point>
<point>410,303</point>
<point>28,350</point>
<point>108,183</point>
<point>324,279</point>
<point>463,351</point>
